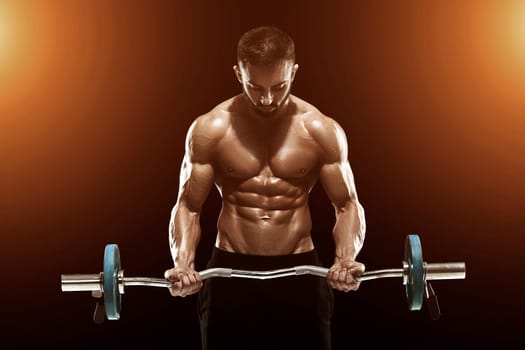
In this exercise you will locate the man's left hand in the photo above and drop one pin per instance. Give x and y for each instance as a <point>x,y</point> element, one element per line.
<point>343,274</point>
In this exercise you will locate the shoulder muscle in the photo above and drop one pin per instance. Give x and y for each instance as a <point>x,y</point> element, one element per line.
<point>203,135</point>
<point>329,135</point>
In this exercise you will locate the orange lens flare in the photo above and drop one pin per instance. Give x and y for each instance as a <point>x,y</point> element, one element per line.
<point>4,36</point>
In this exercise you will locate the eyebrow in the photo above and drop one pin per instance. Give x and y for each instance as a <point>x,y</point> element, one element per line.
<point>276,85</point>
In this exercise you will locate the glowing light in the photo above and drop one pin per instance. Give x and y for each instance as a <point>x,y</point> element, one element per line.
<point>517,26</point>
<point>4,36</point>
<point>522,28</point>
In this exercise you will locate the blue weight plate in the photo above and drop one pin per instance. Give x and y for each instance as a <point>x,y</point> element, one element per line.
<point>112,297</point>
<point>415,286</point>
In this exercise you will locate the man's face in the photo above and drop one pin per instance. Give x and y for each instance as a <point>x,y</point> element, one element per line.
<point>267,87</point>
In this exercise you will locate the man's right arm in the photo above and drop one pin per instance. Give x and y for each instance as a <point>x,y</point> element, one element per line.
<point>195,181</point>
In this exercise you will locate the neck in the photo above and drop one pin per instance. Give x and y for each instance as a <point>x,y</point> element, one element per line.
<point>269,120</point>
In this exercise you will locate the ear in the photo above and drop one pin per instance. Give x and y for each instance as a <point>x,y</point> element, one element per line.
<point>294,70</point>
<point>237,72</point>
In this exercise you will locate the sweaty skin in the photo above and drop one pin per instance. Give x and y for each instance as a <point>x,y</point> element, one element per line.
<point>264,150</point>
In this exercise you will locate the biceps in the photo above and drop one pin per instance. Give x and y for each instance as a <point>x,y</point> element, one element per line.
<point>196,181</point>
<point>338,182</point>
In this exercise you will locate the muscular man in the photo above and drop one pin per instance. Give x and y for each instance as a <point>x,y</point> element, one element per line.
<point>264,150</point>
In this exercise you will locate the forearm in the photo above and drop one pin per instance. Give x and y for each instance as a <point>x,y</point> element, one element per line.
<point>349,230</point>
<point>184,235</point>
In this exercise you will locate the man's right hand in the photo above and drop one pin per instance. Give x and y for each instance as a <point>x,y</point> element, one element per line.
<point>186,281</point>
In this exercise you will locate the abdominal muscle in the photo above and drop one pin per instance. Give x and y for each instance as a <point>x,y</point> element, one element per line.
<point>260,225</point>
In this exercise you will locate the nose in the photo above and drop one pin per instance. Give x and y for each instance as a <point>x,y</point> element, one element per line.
<point>266,98</point>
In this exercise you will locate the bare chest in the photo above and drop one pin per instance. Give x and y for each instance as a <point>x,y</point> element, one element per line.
<point>265,157</point>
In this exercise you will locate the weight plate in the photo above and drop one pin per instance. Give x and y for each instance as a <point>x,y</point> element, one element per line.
<point>112,297</point>
<point>415,286</point>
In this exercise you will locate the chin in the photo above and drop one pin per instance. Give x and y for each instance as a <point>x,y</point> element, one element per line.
<point>267,111</point>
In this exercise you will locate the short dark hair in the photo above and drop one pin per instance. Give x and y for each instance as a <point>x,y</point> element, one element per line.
<point>265,45</point>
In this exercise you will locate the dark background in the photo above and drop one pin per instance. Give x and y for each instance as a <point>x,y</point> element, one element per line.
<point>95,100</point>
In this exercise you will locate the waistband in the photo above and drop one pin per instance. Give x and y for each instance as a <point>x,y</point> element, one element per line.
<point>222,258</point>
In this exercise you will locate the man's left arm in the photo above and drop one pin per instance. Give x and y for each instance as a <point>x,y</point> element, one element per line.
<point>337,180</point>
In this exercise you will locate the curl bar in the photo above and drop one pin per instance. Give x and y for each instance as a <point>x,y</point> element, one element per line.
<point>414,272</point>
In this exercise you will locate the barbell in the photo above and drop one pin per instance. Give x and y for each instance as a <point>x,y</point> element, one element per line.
<point>415,274</point>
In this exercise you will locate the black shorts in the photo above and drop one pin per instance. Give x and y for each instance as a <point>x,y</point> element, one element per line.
<point>282,313</point>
